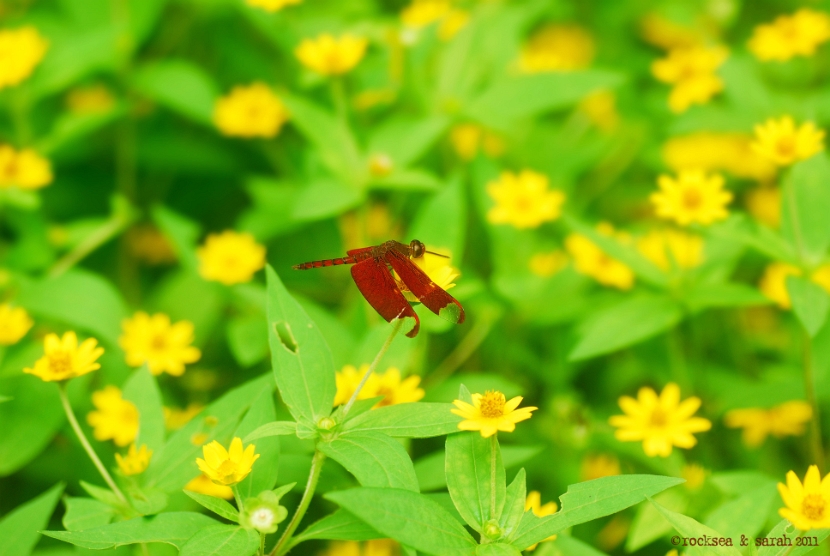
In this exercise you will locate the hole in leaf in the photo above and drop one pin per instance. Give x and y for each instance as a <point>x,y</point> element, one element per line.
<point>286,337</point>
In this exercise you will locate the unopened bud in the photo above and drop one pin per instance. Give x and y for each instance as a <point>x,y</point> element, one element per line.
<point>326,423</point>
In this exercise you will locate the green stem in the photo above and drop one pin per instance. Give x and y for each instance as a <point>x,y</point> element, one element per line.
<point>261,544</point>
<point>284,544</point>
<point>239,505</point>
<point>395,328</point>
<point>87,446</point>
<point>677,360</point>
<point>108,230</point>
<point>810,388</point>
<point>465,348</point>
<point>338,97</point>
<point>494,446</point>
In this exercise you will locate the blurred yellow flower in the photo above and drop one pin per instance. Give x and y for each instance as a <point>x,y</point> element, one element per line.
<point>154,340</point>
<point>175,418</point>
<point>695,476</point>
<point>546,265</point>
<point>490,413</point>
<point>380,165</point>
<point>24,169</point>
<point>328,55</point>
<point>691,197</point>
<point>64,359</point>
<point>787,419</point>
<point>14,324</point>
<point>671,249</point>
<point>592,261</point>
<point>596,466</point>
<point>533,503</point>
<point>421,13</point>
<point>21,50</point>
<point>250,111</point>
<point>437,266</point>
<point>764,204</point>
<point>709,151</point>
<point>614,533</point>
<point>600,108</point>
<point>659,422</point>
<point>115,418</point>
<point>230,257</point>
<point>799,34</point>
<point>468,139</point>
<point>773,283</point>
<point>136,461</point>
<point>781,142</point>
<point>203,485</point>
<point>691,71</point>
<point>808,504</point>
<point>94,99</point>
<point>523,200</point>
<point>149,245</point>
<point>272,5</point>
<point>557,48</point>
<point>227,467</point>
<point>388,384</point>
<point>666,34</point>
<point>377,547</point>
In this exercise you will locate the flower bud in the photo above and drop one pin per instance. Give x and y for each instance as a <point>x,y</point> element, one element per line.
<point>492,530</point>
<point>326,423</point>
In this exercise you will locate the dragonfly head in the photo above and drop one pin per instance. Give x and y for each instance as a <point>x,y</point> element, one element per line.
<point>417,249</point>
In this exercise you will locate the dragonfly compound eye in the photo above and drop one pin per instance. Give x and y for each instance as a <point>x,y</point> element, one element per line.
<point>417,248</point>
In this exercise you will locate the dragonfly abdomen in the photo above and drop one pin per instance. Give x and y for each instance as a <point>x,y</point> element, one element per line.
<point>325,262</point>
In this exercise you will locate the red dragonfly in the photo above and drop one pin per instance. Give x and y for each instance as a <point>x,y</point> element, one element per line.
<point>374,279</point>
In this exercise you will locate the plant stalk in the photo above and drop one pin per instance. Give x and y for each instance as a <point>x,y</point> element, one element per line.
<point>494,446</point>
<point>239,505</point>
<point>816,447</point>
<point>395,328</point>
<point>284,544</point>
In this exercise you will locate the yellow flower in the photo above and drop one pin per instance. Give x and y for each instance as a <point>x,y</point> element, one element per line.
<point>592,261</point>
<point>175,418</point>
<point>692,73</point>
<point>695,476</point>
<point>799,34</point>
<point>468,139</point>
<point>764,204</point>
<point>115,419</point>
<point>14,324</point>
<point>666,34</point>
<point>64,359</point>
<point>547,264</point>
<point>421,13</point>
<point>437,266</point>
<point>523,200</point>
<point>692,197</point>
<point>328,55</point>
<point>781,142</point>
<point>808,504</point>
<point>600,108</point>
<point>533,503</point>
<point>786,419</point>
<point>147,244</point>
<point>731,152</point>
<point>165,347</point>
<point>599,465</point>
<point>203,485</point>
<point>136,461</point>
<point>378,547</point>
<point>773,283</point>
<point>659,422</point>
<point>671,249</point>
<point>227,467</point>
<point>21,50</point>
<point>250,111</point>
<point>230,257</point>
<point>557,48</point>
<point>94,99</point>
<point>389,385</point>
<point>272,5</point>
<point>24,169</point>
<point>490,413</point>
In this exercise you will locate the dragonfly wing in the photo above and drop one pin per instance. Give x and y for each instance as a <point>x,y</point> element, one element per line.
<point>376,284</point>
<point>428,292</point>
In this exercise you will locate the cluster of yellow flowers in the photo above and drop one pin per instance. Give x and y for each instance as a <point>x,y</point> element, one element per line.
<point>709,151</point>
<point>422,13</point>
<point>250,111</point>
<point>691,72</point>
<point>154,340</point>
<point>388,384</point>
<point>799,34</point>
<point>592,261</point>
<point>773,282</point>
<point>524,200</point>
<point>23,168</point>
<point>230,257</point>
<point>469,139</point>
<point>557,48</point>
<point>786,419</point>
<point>21,50</point>
<point>115,418</point>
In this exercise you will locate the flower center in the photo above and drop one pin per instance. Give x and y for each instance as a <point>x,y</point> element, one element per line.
<point>492,405</point>
<point>786,146</point>
<point>262,517</point>
<point>692,199</point>
<point>60,362</point>
<point>813,507</point>
<point>658,417</point>
<point>524,203</point>
<point>159,342</point>
<point>226,468</point>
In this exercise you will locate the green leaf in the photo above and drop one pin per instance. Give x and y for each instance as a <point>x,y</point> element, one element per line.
<point>441,220</point>
<point>142,390</point>
<point>526,96</point>
<point>302,362</point>
<point>103,495</point>
<point>171,528</point>
<point>648,524</point>
<point>405,139</point>
<point>430,469</point>
<point>339,526</point>
<point>182,232</point>
<point>471,464</point>
<point>79,298</point>
<point>408,420</point>
<point>323,199</point>
<point>276,428</point>
<point>805,205</point>
<point>222,540</point>
<point>263,475</point>
<point>514,504</point>
<point>810,303</point>
<point>248,339</point>
<point>180,86</point>
<point>703,296</point>
<point>376,460</point>
<point>86,513</point>
<point>497,549</point>
<point>20,528</point>
<point>566,545</point>
<point>631,321</point>
<point>220,507</point>
<point>777,534</point>
<point>689,527</point>
<point>588,501</point>
<point>744,515</point>
<point>407,179</point>
<point>29,419</point>
<point>408,517</point>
